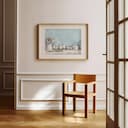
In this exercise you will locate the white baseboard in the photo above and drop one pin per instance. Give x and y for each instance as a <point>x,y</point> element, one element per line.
<point>100,105</point>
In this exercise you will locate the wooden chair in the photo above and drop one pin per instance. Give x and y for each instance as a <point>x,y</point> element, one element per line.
<point>86,80</point>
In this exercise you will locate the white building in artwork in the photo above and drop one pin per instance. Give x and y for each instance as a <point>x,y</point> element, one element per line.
<point>49,44</point>
<point>76,47</point>
<point>52,46</point>
<point>49,47</point>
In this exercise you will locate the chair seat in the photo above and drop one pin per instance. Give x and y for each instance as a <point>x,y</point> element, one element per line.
<point>78,93</point>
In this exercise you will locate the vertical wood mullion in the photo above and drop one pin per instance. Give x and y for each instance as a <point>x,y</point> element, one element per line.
<point>116,64</point>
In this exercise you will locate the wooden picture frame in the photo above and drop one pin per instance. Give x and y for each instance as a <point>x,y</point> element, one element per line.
<point>62,41</point>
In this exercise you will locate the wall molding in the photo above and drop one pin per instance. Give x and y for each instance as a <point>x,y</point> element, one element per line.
<point>23,99</point>
<point>43,74</point>
<point>56,73</point>
<point>7,94</point>
<point>100,77</point>
<point>3,57</point>
<point>26,103</point>
<point>7,67</point>
<point>4,81</point>
<point>4,60</point>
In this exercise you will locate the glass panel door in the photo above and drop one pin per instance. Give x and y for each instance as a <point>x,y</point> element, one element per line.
<point>110,63</point>
<point>123,63</point>
<point>117,63</point>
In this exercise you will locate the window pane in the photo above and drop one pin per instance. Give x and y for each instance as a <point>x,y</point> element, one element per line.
<point>121,113</point>
<point>108,86</point>
<point>126,81</point>
<point>111,105</point>
<point>111,14</point>
<point>121,78</point>
<point>121,9</point>
<point>110,79</point>
<point>126,114</point>
<point>121,41</point>
<point>111,48</point>
<point>108,18</point>
<point>126,39</point>
<point>108,103</point>
<point>108,43</point>
<point>126,8</point>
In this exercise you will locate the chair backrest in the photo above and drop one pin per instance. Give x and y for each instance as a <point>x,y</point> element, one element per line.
<point>84,78</point>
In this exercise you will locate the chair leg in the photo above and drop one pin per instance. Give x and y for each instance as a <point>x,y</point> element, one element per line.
<point>74,104</point>
<point>94,104</point>
<point>94,98</point>
<point>63,100</point>
<point>86,111</point>
<point>86,102</point>
<point>63,105</point>
<point>74,99</point>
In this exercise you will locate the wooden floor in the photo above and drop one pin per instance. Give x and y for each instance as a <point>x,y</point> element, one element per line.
<point>50,119</point>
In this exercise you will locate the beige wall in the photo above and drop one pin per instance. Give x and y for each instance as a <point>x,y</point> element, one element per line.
<point>36,72</point>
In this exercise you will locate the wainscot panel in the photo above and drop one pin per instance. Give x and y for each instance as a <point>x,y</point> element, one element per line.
<point>44,92</point>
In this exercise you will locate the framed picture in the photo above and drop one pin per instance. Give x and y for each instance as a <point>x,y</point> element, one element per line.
<point>62,41</point>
